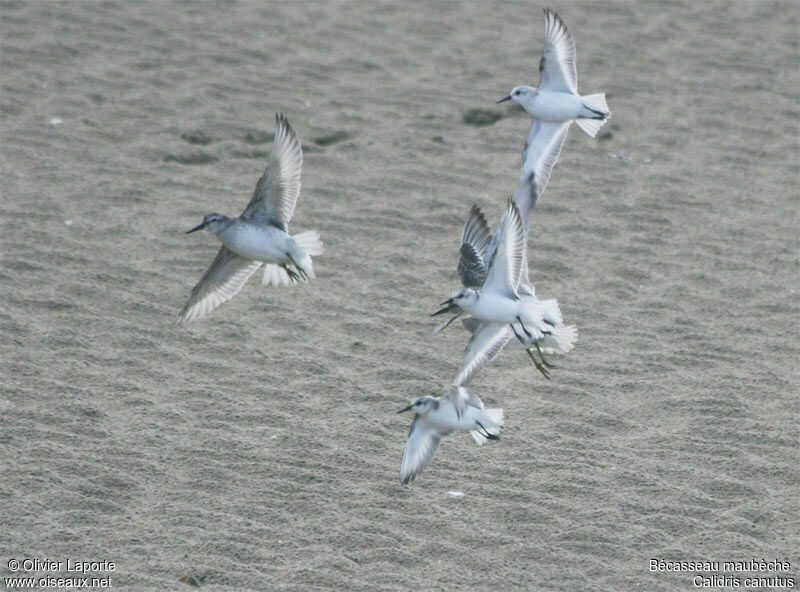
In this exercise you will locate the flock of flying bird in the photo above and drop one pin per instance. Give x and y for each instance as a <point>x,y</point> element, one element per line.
<point>498,301</point>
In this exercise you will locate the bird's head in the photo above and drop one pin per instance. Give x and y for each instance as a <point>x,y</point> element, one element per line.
<point>521,95</point>
<point>421,405</point>
<point>455,303</point>
<point>463,297</point>
<point>213,222</point>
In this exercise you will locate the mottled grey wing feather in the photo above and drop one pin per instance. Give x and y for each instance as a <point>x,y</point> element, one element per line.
<point>278,188</point>
<point>476,230</point>
<point>423,441</point>
<point>557,66</point>
<point>472,255</point>
<point>471,268</point>
<point>227,275</point>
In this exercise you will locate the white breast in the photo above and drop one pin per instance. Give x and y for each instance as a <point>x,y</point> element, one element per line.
<point>446,418</point>
<point>495,307</point>
<point>262,243</point>
<point>555,106</point>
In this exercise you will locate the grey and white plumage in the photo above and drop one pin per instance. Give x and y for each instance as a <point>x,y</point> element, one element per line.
<point>555,103</point>
<point>457,409</point>
<point>260,235</point>
<point>436,417</point>
<point>483,264</point>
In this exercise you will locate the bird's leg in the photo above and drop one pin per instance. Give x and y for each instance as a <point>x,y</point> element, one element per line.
<point>541,355</point>
<point>292,273</point>
<point>520,337</point>
<point>538,365</point>
<point>299,269</point>
<point>521,324</point>
<point>486,433</point>
<point>536,362</point>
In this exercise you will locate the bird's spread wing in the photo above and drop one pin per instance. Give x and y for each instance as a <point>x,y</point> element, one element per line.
<point>423,440</point>
<point>557,66</point>
<point>472,255</point>
<point>525,287</point>
<point>476,231</point>
<point>483,347</point>
<point>278,188</point>
<point>506,265</point>
<point>223,280</point>
<point>471,268</point>
<point>542,149</point>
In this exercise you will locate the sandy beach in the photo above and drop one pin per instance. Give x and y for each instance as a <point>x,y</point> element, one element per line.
<point>259,448</point>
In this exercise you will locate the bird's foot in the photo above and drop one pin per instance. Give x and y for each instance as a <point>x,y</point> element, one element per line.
<point>545,363</point>
<point>539,366</point>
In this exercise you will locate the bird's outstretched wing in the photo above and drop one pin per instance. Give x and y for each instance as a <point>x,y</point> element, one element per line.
<point>472,255</point>
<point>278,188</point>
<point>423,441</point>
<point>557,66</point>
<point>223,280</point>
<point>506,265</point>
<point>542,149</point>
<point>486,342</point>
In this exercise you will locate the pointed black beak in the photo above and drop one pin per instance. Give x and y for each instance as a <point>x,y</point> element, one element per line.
<point>448,308</point>
<point>404,409</point>
<point>196,228</point>
<point>508,98</point>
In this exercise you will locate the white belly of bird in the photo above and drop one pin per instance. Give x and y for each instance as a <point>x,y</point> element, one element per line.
<point>494,307</point>
<point>556,106</point>
<point>446,418</point>
<point>498,308</point>
<point>268,244</point>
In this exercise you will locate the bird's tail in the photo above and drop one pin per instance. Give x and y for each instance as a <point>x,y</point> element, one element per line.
<point>597,113</point>
<point>492,420</point>
<point>560,341</point>
<point>551,312</point>
<point>310,245</point>
<point>275,275</point>
<point>310,242</point>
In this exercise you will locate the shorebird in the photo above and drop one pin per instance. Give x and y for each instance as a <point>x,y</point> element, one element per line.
<point>555,103</point>
<point>498,295</point>
<point>260,235</point>
<point>456,410</point>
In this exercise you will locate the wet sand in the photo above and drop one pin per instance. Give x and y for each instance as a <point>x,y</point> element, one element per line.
<point>259,448</point>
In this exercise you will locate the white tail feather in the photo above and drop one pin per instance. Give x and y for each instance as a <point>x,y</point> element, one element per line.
<point>493,422</point>
<point>560,341</point>
<point>275,275</point>
<point>310,242</point>
<point>495,417</point>
<point>590,126</point>
<point>552,312</point>
<point>308,267</point>
<point>596,103</point>
<point>479,438</point>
